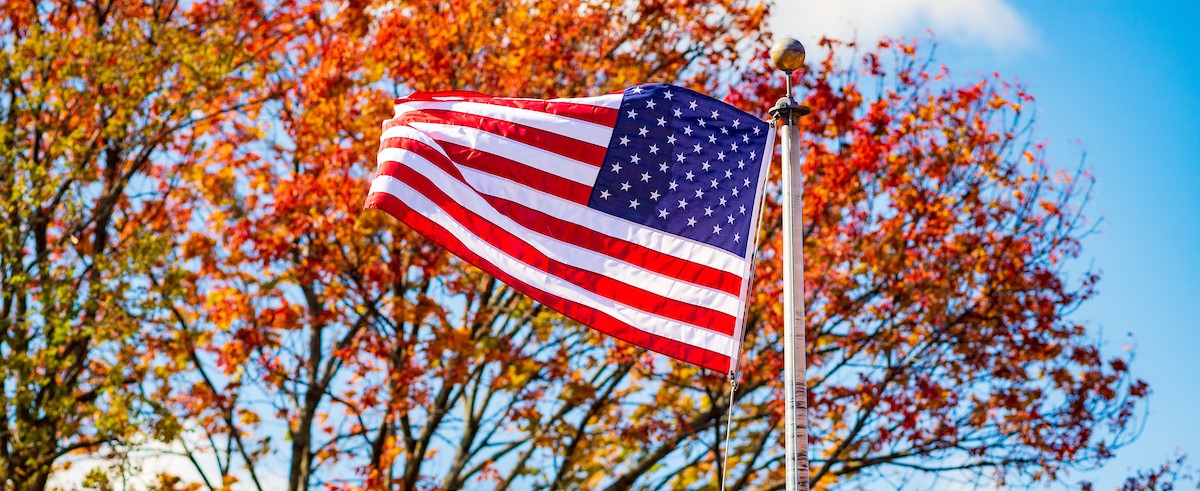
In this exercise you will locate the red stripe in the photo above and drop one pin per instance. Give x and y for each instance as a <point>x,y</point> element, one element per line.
<point>588,316</point>
<point>606,116</point>
<point>578,235</point>
<point>600,285</point>
<point>546,140</point>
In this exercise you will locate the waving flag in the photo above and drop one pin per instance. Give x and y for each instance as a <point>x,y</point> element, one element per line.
<point>634,213</point>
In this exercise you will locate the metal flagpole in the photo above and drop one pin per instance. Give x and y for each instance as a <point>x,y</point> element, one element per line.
<point>788,55</point>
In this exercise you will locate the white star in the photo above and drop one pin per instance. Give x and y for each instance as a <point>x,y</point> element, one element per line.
<point>635,159</point>
<point>691,221</point>
<point>624,141</point>
<point>752,153</point>
<point>636,90</point>
<point>679,157</point>
<point>714,114</point>
<point>742,209</point>
<point>729,219</point>
<point>650,103</point>
<point>642,131</point>
<point>714,183</point>
<point>746,182</point>
<point>734,145</point>
<point>705,166</point>
<point>721,156</point>
<point>678,113</point>
<point>692,105</point>
<point>654,149</point>
<point>672,185</point>
<point>717,229</point>
<point>741,164</point>
<point>696,148</point>
<point>632,113</point>
<point>654,195</point>
<point>722,201</point>
<point>736,122</point>
<point>745,138</point>
<point>633,204</point>
<point>728,173</point>
<point>735,192</point>
<point>724,130</point>
<point>707,211</point>
<point>687,130</point>
<point>671,139</point>
<point>700,193</point>
<point>702,125</point>
<point>604,194</point>
<point>662,122</point>
<point>689,175</point>
<point>616,167</point>
<point>663,213</point>
<point>668,95</point>
<point>737,237</point>
<point>645,177</point>
<point>625,186</point>
<point>712,138</point>
<point>755,130</point>
<point>683,203</point>
<point>662,167</point>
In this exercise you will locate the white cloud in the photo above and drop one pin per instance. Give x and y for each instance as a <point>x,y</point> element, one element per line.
<point>990,25</point>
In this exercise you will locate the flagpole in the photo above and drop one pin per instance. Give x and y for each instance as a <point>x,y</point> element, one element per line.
<point>788,56</point>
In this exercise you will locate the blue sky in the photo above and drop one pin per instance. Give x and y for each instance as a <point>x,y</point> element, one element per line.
<point>1119,80</point>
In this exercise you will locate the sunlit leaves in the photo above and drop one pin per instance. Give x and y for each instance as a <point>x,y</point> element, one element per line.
<point>102,105</point>
<point>185,259</point>
<point>935,251</point>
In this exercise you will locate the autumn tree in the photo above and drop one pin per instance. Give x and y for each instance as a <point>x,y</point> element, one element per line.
<point>370,347</point>
<point>938,249</point>
<point>99,105</point>
<point>311,340</point>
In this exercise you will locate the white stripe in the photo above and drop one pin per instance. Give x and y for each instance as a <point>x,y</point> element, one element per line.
<point>596,134</point>
<point>529,155</point>
<point>566,253</point>
<point>552,285</point>
<point>612,226</point>
<point>412,134</point>
<point>607,100</point>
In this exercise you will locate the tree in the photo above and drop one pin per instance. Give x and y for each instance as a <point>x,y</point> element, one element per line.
<point>937,243</point>
<point>337,348</point>
<point>98,122</point>
<point>367,344</point>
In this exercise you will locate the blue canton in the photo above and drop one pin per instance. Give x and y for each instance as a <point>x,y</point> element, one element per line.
<point>685,164</point>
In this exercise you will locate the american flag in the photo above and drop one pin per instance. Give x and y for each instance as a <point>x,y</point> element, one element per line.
<point>634,213</point>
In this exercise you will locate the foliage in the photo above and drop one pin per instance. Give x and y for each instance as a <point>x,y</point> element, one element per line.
<point>936,245</point>
<point>375,350</point>
<point>100,105</point>
<point>188,213</point>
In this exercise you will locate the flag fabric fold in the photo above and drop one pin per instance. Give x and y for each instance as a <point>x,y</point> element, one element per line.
<point>634,213</point>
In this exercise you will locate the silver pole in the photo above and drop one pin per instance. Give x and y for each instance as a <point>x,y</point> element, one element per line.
<point>788,56</point>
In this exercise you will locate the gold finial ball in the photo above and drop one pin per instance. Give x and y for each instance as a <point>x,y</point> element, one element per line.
<point>788,54</point>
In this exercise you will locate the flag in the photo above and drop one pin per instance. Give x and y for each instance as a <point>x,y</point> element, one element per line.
<point>634,213</point>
